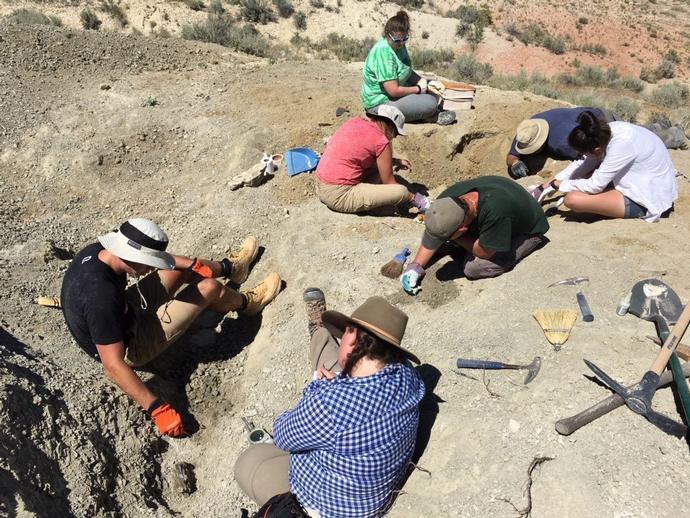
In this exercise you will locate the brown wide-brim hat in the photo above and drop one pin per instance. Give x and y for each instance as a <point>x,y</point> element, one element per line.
<point>378,317</point>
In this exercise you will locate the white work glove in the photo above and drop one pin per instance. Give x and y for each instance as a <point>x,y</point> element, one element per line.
<point>422,84</point>
<point>411,278</point>
<point>437,85</point>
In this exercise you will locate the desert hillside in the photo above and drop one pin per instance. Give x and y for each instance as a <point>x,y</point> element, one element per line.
<point>97,126</point>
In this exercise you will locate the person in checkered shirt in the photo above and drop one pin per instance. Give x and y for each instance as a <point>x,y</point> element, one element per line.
<point>346,446</point>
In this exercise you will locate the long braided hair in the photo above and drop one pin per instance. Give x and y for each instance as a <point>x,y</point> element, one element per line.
<point>373,348</point>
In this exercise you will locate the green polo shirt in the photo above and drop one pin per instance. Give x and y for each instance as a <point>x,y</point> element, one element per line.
<point>383,64</point>
<point>505,210</point>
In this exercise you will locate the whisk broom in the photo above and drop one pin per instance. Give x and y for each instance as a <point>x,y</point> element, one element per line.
<point>393,268</point>
<point>556,325</point>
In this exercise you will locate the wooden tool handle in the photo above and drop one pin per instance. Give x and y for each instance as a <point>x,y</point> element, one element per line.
<point>572,424</point>
<point>672,341</point>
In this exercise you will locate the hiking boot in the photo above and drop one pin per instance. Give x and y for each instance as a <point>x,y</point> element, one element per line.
<point>445,118</point>
<point>243,259</point>
<point>261,294</point>
<point>316,305</point>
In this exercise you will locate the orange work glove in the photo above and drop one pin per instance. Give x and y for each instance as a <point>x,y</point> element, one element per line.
<point>201,269</point>
<point>167,420</point>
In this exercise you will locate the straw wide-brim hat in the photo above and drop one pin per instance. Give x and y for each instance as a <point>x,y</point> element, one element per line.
<point>531,135</point>
<point>140,241</point>
<point>378,317</point>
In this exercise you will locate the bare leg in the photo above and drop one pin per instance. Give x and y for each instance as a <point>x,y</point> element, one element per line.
<point>608,203</point>
<point>211,294</point>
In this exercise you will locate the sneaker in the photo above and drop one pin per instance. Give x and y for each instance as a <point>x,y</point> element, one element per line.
<point>243,259</point>
<point>261,294</point>
<point>445,118</point>
<point>316,305</point>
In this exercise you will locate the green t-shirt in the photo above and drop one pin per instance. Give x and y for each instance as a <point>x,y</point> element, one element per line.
<point>383,64</point>
<point>505,210</point>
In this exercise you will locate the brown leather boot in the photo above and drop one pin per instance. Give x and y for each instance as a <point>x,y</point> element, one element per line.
<point>261,294</point>
<point>243,259</point>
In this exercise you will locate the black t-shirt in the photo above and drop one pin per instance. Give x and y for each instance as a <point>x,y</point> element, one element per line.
<point>505,210</point>
<point>93,301</point>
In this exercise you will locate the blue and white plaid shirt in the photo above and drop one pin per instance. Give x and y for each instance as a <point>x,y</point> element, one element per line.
<point>351,439</point>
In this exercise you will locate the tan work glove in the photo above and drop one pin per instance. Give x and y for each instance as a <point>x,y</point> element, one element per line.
<point>437,85</point>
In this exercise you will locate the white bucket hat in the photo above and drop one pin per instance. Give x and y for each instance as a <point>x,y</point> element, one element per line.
<point>531,135</point>
<point>391,113</point>
<point>140,241</point>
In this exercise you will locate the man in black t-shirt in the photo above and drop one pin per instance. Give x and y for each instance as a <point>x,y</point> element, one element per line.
<point>495,220</point>
<point>128,327</point>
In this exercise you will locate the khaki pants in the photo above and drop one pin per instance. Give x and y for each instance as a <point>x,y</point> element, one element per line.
<point>360,197</point>
<point>155,328</point>
<point>501,262</point>
<point>261,470</point>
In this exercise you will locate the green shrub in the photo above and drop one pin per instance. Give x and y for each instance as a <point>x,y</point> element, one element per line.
<point>285,8</point>
<point>425,35</point>
<point>216,7</point>
<point>648,75</point>
<point>631,83</point>
<point>410,4</point>
<point>195,5</point>
<point>536,83</point>
<point>114,10</point>
<point>317,3</point>
<point>300,21</point>
<point>594,48</point>
<point>31,17</point>
<point>659,117</point>
<point>469,69</point>
<point>221,29</point>
<point>665,70</point>
<point>430,58</point>
<point>672,95</point>
<point>345,48</point>
<point>627,109</point>
<point>583,20</point>
<point>472,22</point>
<point>257,11</point>
<point>89,20</point>
<point>535,34</point>
<point>672,56</point>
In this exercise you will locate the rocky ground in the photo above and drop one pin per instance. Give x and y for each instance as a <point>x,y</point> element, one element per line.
<point>98,128</point>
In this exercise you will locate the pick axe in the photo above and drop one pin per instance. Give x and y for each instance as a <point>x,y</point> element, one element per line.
<point>587,315</point>
<point>638,398</point>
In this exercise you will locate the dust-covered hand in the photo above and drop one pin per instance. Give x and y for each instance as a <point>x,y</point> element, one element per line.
<point>519,169</point>
<point>411,278</point>
<point>422,84</point>
<point>167,420</point>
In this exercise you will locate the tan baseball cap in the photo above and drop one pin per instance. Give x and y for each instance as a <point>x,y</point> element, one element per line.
<point>391,113</point>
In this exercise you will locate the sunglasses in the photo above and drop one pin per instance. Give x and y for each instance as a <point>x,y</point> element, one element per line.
<point>399,40</point>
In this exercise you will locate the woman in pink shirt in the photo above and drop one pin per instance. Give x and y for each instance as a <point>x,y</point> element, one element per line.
<point>355,173</point>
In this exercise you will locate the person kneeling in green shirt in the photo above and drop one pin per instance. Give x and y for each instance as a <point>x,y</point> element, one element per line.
<point>492,218</point>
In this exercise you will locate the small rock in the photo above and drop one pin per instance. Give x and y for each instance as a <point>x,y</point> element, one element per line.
<point>104,86</point>
<point>184,480</point>
<point>513,425</point>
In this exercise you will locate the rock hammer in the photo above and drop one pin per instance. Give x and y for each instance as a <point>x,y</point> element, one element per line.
<point>587,315</point>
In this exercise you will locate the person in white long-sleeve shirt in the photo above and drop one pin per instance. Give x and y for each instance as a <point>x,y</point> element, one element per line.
<point>625,172</point>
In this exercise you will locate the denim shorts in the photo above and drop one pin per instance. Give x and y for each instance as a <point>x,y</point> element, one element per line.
<point>633,210</point>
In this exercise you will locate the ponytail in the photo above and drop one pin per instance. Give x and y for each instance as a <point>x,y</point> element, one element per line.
<point>398,23</point>
<point>590,133</point>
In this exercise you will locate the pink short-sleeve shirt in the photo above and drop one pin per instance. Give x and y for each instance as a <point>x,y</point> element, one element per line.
<point>351,150</point>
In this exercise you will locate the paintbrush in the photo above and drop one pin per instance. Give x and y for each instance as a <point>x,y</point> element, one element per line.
<point>393,268</point>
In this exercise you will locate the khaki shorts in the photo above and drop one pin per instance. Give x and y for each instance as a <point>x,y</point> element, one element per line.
<point>155,328</point>
<point>360,197</point>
